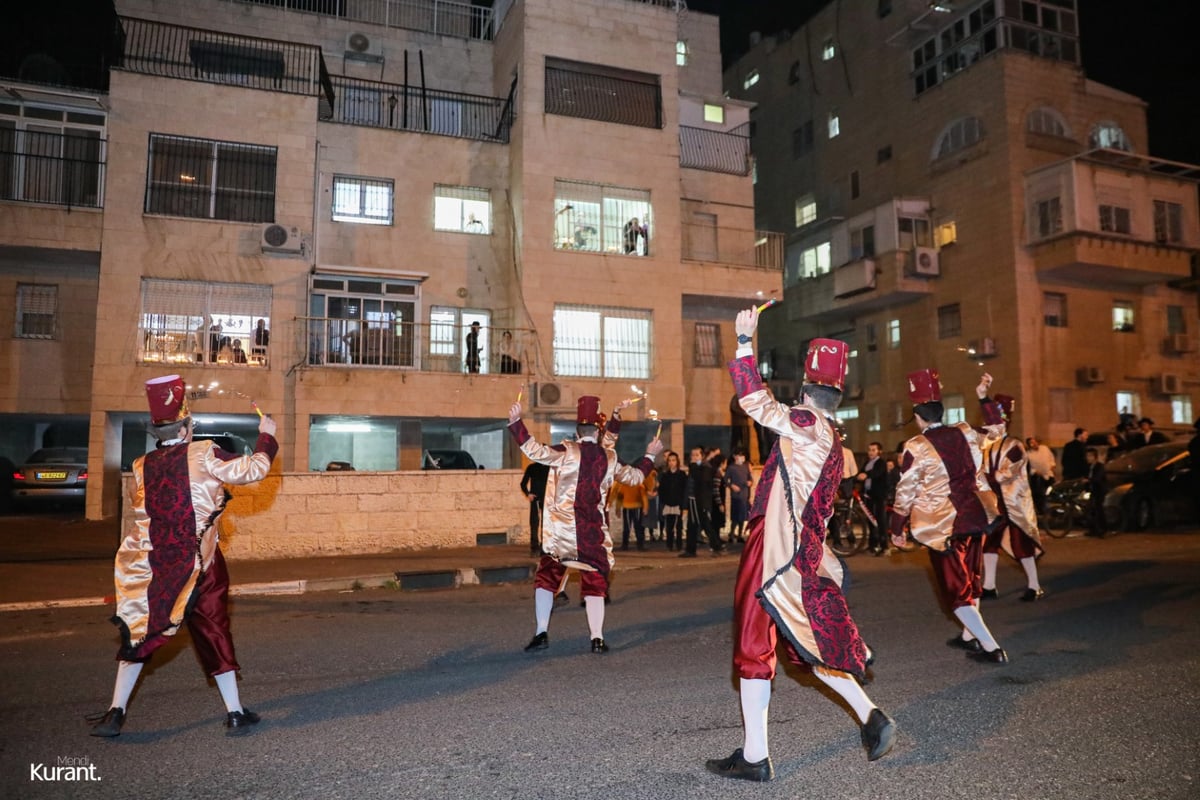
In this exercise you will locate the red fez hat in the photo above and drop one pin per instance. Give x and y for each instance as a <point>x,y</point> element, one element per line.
<point>994,413</point>
<point>924,387</point>
<point>826,363</point>
<point>167,397</point>
<point>587,411</point>
<point>1007,403</point>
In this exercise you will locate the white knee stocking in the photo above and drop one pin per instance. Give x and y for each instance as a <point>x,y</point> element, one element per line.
<point>227,683</point>
<point>849,690</point>
<point>543,604</point>
<point>756,699</point>
<point>1030,566</point>
<point>595,615</point>
<point>989,569</point>
<point>972,620</point>
<point>127,675</point>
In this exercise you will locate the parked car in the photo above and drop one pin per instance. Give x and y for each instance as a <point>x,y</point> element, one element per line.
<point>448,459</point>
<point>52,474</point>
<point>1150,487</point>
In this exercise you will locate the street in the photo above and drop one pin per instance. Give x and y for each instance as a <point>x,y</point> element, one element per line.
<point>378,693</point>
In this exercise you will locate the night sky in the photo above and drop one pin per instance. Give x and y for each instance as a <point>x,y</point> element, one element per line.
<point>1155,59</point>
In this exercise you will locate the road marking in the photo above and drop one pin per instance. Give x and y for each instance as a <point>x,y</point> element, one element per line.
<point>29,637</point>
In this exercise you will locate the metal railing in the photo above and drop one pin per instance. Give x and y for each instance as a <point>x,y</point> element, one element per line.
<point>442,17</point>
<point>63,169</point>
<point>176,51</point>
<point>411,108</point>
<point>715,151</point>
<point>164,343</point>
<point>719,245</point>
<point>584,91</point>
<point>426,347</point>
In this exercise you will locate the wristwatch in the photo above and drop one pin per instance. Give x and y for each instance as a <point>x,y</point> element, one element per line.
<point>744,339</point>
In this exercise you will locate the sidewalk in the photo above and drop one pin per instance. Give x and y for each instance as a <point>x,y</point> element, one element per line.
<point>53,561</point>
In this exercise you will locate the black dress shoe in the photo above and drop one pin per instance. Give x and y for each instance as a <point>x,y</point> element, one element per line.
<point>1033,594</point>
<point>539,642</point>
<point>598,646</point>
<point>878,734</point>
<point>997,656</point>
<point>970,645</point>
<point>738,767</point>
<point>239,723</point>
<point>110,724</point>
<point>989,594</point>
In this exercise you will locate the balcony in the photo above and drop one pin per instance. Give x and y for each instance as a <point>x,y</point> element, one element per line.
<point>175,51</point>
<point>733,246</point>
<point>408,108</point>
<point>883,281</point>
<point>461,20</point>
<point>715,151</point>
<point>60,169</point>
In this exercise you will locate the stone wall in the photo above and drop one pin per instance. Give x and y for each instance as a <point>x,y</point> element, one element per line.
<point>302,514</point>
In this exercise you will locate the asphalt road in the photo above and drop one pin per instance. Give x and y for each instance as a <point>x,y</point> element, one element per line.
<point>429,695</point>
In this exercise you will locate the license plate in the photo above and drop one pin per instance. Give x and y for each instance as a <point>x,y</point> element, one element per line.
<point>51,476</point>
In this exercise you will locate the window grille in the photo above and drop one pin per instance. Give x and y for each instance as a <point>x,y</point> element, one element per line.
<point>605,94</point>
<point>37,310</point>
<point>601,219</point>
<point>602,342</point>
<point>210,179</point>
<point>367,200</point>
<point>195,321</point>
<point>708,344</point>
<point>462,208</point>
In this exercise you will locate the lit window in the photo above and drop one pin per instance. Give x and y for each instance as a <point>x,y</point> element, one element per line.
<point>847,412</point>
<point>958,135</point>
<point>751,79</point>
<point>806,210</point>
<point>37,310</point>
<point>601,219</point>
<point>1129,403</point>
<point>1168,222</point>
<point>1109,135</point>
<point>1181,410</point>
<point>893,327</point>
<point>210,180</point>
<point>1114,219</point>
<point>594,341</point>
<point>835,125</point>
<point>714,114</point>
<point>708,345</point>
<point>945,233</point>
<point>681,54</point>
<point>462,208</point>
<point>196,321</point>
<point>949,320</point>
<point>1122,316</point>
<point>954,412</point>
<point>828,50</point>
<point>815,261</point>
<point>366,200</point>
<point>914,232</point>
<point>1054,309</point>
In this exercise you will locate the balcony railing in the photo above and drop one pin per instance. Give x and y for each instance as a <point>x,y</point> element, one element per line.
<point>409,108</point>
<point>445,18</point>
<point>715,151</point>
<point>176,345</point>
<point>175,51</point>
<point>763,249</point>
<point>425,347</point>
<point>63,169</point>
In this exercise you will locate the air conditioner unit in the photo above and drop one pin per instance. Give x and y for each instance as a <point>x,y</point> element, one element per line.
<point>1179,343</point>
<point>1170,383</point>
<point>924,262</point>
<point>550,395</point>
<point>1090,375</point>
<point>360,47</point>
<point>278,239</point>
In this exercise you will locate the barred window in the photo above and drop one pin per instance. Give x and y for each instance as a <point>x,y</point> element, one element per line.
<point>1047,121</point>
<point>1114,219</point>
<point>601,219</point>
<point>606,94</point>
<point>958,135</point>
<point>37,310</point>
<point>708,344</point>
<point>1168,222</point>
<point>1054,309</point>
<point>199,322</point>
<point>949,321</point>
<point>600,342</point>
<point>210,179</point>
<point>462,208</point>
<point>366,200</point>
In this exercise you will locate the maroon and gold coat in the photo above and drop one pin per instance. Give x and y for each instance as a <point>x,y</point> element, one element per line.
<point>178,496</point>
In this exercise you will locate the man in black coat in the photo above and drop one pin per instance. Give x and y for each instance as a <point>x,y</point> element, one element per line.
<point>1074,456</point>
<point>700,505</point>
<point>533,486</point>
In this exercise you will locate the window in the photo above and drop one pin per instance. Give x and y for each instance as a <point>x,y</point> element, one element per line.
<point>862,243</point>
<point>1181,410</point>
<point>945,233</point>
<point>750,79</point>
<point>802,140</point>
<point>1054,309</point>
<point>209,179</point>
<point>1175,320</point>
<point>1048,217</point>
<point>854,188</point>
<point>883,154</point>
<point>604,94</point>
<point>1047,121</point>
<point>815,261</point>
<point>954,412</point>
<point>708,345</point>
<point>361,320</point>
<point>893,327</point>
<point>37,310</point>
<point>1168,222</point>
<point>847,412</point>
<point>595,341</point>
<point>714,114</point>
<point>958,135</point>
<point>1114,219</point>
<point>1109,135</point>
<point>1122,316</point>
<point>455,345</point>
<point>793,73</point>
<point>828,49</point>
<point>50,155</point>
<point>949,321</point>
<point>198,322</point>
<point>681,54</point>
<point>834,124</point>
<point>465,209</point>
<point>913,232</point>
<point>366,200</point>
<point>806,210</point>
<point>601,219</point>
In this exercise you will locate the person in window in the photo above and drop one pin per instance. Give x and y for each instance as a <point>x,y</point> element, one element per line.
<point>510,364</point>
<point>473,348</point>
<point>214,340</point>
<point>633,231</point>
<point>262,338</point>
<point>239,354</point>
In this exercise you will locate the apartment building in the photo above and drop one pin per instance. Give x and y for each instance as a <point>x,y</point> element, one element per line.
<point>958,194</point>
<point>382,221</point>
